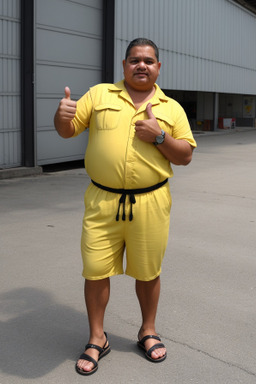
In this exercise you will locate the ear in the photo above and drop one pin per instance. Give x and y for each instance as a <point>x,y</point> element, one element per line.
<point>159,66</point>
<point>124,63</point>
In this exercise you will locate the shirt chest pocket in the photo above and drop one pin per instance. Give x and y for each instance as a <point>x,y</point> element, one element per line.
<point>107,116</point>
<point>165,122</point>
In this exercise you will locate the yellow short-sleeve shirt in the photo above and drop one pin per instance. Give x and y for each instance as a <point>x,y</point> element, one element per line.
<point>115,157</point>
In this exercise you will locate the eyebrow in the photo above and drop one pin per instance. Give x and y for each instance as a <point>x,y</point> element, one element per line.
<point>139,57</point>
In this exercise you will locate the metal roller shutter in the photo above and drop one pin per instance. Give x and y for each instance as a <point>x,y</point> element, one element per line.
<point>10,89</point>
<point>68,44</point>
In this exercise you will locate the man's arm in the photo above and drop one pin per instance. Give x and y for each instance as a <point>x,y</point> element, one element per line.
<point>178,152</point>
<point>64,116</point>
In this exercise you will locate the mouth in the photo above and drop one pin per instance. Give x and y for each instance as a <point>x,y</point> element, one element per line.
<point>141,74</point>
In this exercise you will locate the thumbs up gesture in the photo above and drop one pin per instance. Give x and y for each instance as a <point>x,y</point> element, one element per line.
<point>147,130</point>
<point>64,115</point>
<point>67,93</point>
<point>67,107</point>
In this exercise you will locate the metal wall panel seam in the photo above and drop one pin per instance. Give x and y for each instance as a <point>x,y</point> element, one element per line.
<point>67,31</point>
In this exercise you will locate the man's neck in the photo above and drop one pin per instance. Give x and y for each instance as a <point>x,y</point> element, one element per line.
<point>139,97</point>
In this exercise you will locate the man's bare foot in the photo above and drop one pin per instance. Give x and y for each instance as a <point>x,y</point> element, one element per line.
<point>149,341</point>
<point>94,351</point>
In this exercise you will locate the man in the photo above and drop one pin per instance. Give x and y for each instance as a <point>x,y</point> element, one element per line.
<point>135,131</point>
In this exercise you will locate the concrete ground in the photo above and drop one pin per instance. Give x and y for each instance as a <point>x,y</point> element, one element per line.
<point>207,310</point>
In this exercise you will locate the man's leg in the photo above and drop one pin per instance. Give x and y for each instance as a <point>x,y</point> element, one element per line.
<point>148,293</point>
<point>96,293</point>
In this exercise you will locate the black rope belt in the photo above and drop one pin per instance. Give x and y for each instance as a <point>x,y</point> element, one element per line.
<point>130,193</point>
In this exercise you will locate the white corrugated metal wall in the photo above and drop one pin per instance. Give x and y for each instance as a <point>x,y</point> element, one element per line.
<point>68,51</point>
<point>10,92</point>
<point>205,45</point>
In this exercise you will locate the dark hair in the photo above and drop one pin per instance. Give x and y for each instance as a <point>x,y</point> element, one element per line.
<point>139,42</point>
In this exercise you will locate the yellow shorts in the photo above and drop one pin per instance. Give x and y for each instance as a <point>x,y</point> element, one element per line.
<point>144,239</point>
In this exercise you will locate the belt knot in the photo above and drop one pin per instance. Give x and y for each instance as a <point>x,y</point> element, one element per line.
<point>130,193</point>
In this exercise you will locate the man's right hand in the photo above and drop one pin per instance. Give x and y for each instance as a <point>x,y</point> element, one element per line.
<point>67,107</point>
<point>64,115</point>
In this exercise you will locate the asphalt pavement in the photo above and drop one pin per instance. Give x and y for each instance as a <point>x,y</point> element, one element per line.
<point>207,309</point>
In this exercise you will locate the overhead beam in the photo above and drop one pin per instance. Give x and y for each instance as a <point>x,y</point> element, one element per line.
<point>250,5</point>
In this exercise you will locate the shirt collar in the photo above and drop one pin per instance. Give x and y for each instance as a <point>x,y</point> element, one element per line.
<point>159,95</point>
<point>120,87</point>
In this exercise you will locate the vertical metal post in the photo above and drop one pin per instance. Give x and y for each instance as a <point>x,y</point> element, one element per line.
<point>215,111</point>
<point>27,82</point>
<point>108,41</point>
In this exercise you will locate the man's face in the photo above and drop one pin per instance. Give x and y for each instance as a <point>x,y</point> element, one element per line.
<point>141,69</point>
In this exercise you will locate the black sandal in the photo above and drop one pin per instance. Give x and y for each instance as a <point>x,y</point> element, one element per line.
<point>102,352</point>
<point>141,344</point>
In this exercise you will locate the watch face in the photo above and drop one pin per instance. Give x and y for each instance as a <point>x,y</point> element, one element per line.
<point>159,139</point>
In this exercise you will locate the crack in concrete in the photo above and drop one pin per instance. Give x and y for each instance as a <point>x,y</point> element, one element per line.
<point>230,364</point>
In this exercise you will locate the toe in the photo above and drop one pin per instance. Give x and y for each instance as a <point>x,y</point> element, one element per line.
<point>85,365</point>
<point>158,353</point>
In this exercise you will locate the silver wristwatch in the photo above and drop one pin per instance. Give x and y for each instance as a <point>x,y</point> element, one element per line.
<point>160,138</point>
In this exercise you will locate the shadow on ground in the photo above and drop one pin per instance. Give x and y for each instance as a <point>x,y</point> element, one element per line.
<point>38,334</point>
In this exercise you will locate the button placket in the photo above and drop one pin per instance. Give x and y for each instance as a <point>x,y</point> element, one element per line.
<point>130,160</point>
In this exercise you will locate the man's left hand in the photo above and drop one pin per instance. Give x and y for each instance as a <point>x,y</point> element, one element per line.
<point>147,130</point>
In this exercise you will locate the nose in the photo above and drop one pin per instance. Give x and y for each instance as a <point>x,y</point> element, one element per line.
<point>142,65</point>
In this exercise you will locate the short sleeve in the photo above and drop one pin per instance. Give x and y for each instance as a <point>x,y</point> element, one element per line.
<point>181,128</point>
<point>83,113</point>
